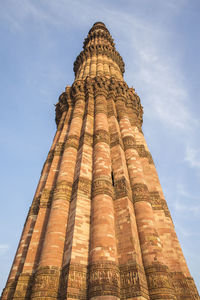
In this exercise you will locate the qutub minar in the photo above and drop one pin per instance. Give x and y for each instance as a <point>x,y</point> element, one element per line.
<point>99,226</point>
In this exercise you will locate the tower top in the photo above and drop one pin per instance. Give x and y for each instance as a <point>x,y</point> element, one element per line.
<point>99,53</point>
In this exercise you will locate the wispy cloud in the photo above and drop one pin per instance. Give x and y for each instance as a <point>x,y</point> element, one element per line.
<point>3,249</point>
<point>192,157</point>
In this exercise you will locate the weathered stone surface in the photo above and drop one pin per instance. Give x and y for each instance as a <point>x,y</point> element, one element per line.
<point>99,226</point>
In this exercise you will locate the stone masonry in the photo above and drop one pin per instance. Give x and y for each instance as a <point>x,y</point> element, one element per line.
<point>99,227</point>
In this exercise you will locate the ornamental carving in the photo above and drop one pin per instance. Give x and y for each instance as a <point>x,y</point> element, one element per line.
<point>95,50</point>
<point>63,104</point>
<point>140,192</point>
<point>156,201</point>
<point>46,283</point>
<point>122,188</point>
<point>159,282</point>
<point>74,281</point>
<point>23,288</point>
<point>34,207</point>
<point>78,89</point>
<point>102,186</point>
<point>165,208</point>
<point>133,282</point>
<point>104,279</point>
<point>72,141</point>
<point>129,142</point>
<point>115,139</point>
<point>98,34</point>
<point>50,156</point>
<point>86,139</point>
<point>9,290</point>
<point>59,149</point>
<point>83,185</point>
<point>46,198</point>
<point>101,136</point>
<point>63,190</point>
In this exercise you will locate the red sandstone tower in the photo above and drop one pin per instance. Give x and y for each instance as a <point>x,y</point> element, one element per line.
<point>99,226</point>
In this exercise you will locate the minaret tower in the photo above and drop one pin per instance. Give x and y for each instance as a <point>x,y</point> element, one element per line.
<point>99,226</point>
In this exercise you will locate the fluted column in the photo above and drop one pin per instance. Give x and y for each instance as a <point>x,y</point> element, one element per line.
<point>104,278</point>
<point>133,279</point>
<point>157,274</point>
<point>75,257</point>
<point>47,277</point>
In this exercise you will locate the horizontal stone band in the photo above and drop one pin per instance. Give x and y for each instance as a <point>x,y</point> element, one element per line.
<point>140,192</point>
<point>102,186</point>
<point>72,141</point>
<point>104,279</point>
<point>101,136</point>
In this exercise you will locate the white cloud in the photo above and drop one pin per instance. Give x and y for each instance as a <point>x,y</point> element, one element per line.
<point>3,249</point>
<point>192,157</point>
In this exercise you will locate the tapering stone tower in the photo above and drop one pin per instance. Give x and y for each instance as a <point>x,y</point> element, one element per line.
<point>99,226</point>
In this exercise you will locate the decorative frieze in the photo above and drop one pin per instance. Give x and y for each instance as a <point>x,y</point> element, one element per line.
<point>132,282</point>
<point>115,139</point>
<point>140,192</point>
<point>72,141</point>
<point>46,283</point>
<point>102,186</point>
<point>104,279</point>
<point>159,282</point>
<point>74,281</point>
<point>23,288</point>
<point>98,50</point>
<point>46,198</point>
<point>122,188</point>
<point>50,157</point>
<point>63,190</point>
<point>101,136</point>
<point>59,148</point>
<point>83,185</point>
<point>34,207</point>
<point>129,142</point>
<point>156,201</point>
<point>9,290</point>
<point>86,139</point>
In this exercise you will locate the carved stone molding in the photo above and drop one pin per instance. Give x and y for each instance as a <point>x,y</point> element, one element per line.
<point>140,192</point>
<point>50,156</point>
<point>102,186</point>
<point>83,185</point>
<point>23,287</point>
<point>74,281</point>
<point>101,33</point>
<point>115,139</point>
<point>156,201</point>
<point>46,283</point>
<point>92,50</point>
<point>184,287</point>
<point>133,282</point>
<point>72,141</point>
<point>9,290</point>
<point>63,190</point>
<point>63,104</point>
<point>86,139</point>
<point>46,198</point>
<point>159,282</point>
<point>129,142</point>
<point>104,279</point>
<point>101,136</point>
<point>59,149</point>
<point>122,188</point>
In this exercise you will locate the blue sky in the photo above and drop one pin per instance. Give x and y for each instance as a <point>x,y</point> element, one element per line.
<point>159,42</point>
